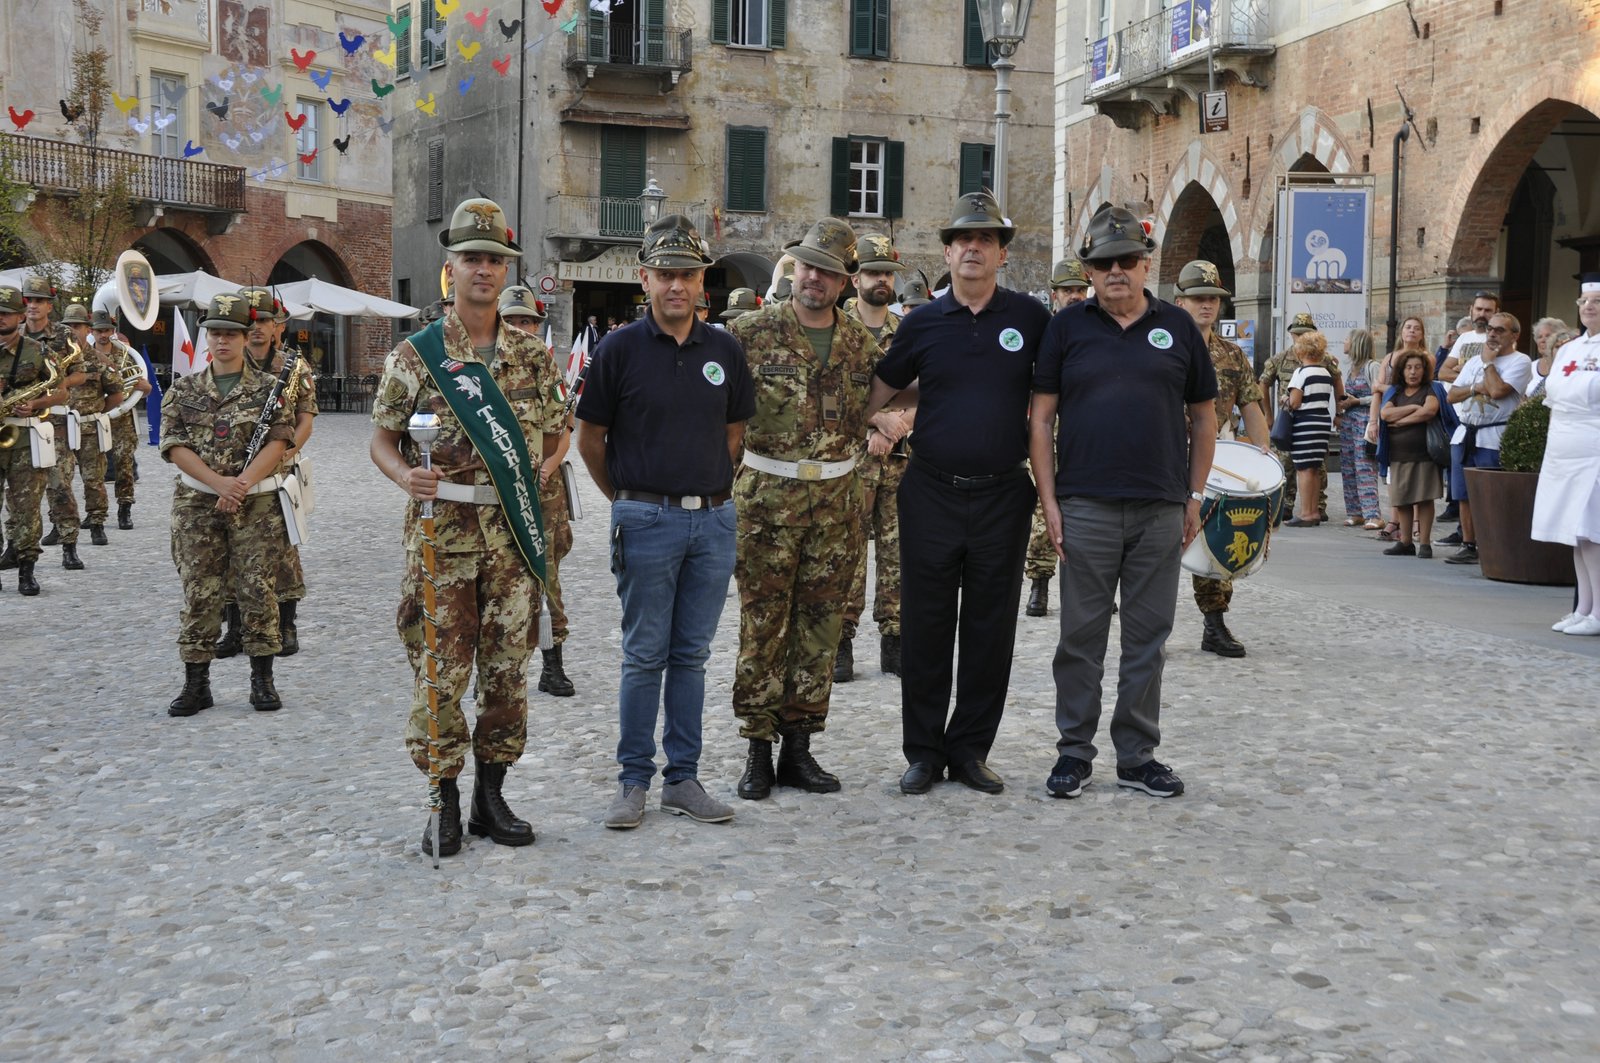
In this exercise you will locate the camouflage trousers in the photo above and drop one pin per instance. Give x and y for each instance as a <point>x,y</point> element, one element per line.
<point>1041,562</point>
<point>1212,595</point>
<point>880,522</point>
<point>558,544</point>
<point>791,583</point>
<point>89,463</point>
<point>124,442</point>
<point>288,575</point>
<point>1290,486</point>
<point>223,555</point>
<point>482,616</point>
<point>23,489</point>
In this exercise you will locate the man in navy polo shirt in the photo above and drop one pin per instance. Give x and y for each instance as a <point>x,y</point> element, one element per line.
<point>660,422</point>
<point>965,502</point>
<point>1124,500</point>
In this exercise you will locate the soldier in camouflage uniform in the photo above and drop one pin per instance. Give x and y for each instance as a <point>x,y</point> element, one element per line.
<point>226,520</point>
<point>485,590</point>
<point>881,469</point>
<point>56,339</point>
<point>798,503</point>
<point>1200,291</point>
<point>264,349</point>
<point>22,364</point>
<point>124,429</point>
<point>93,387</point>
<point>522,311</point>
<point>1275,376</point>
<point>1069,284</point>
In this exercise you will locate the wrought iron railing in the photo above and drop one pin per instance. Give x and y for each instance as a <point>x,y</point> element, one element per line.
<point>609,216</point>
<point>55,165</point>
<point>597,42</point>
<point>1157,44</point>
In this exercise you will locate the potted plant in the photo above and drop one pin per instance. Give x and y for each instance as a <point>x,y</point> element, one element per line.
<point>1502,507</point>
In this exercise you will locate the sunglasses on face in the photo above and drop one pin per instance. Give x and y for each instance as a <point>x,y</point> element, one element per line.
<point>1104,265</point>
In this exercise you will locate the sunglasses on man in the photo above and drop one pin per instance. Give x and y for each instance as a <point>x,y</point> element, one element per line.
<point>1103,265</point>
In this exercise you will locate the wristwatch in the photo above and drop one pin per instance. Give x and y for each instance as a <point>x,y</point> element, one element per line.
<point>1196,496</point>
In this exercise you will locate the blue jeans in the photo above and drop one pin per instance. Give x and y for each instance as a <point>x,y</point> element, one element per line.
<point>672,567</point>
<point>1482,458</point>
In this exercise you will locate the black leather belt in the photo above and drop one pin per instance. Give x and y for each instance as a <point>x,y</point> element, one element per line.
<point>964,483</point>
<point>681,501</point>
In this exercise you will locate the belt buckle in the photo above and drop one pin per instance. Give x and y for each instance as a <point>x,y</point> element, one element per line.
<point>808,470</point>
<point>691,502</point>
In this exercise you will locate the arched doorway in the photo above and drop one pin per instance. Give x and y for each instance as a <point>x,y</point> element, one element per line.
<point>322,338</point>
<point>170,251</point>
<point>1196,229</point>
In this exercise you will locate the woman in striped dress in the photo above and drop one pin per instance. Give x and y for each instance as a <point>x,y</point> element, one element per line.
<point>1313,396</point>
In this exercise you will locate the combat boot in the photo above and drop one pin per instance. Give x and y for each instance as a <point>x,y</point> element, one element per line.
<point>490,814</point>
<point>125,516</point>
<point>1039,598</point>
<point>756,782</point>
<point>26,584</point>
<point>286,630</point>
<point>196,693</point>
<point>69,557</point>
<point>52,537</point>
<point>8,559</point>
<point>798,769</point>
<point>449,821</point>
<point>553,678</point>
<point>844,663</point>
<point>263,695</point>
<point>97,535</point>
<point>1218,639</point>
<point>231,641</point>
<point>889,654</point>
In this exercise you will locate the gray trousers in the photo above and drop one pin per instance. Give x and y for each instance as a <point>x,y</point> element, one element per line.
<point>1110,542</point>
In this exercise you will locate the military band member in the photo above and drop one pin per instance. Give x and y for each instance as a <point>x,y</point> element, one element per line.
<point>39,295</point>
<point>124,429</point>
<point>881,468</point>
<point>741,301</point>
<point>226,520</point>
<point>98,388</point>
<point>799,509</point>
<point>520,310</point>
<point>1068,284</point>
<point>22,366</point>
<point>488,541</point>
<point>1200,292</point>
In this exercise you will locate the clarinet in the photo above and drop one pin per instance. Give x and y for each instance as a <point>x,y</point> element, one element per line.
<point>258,438</point>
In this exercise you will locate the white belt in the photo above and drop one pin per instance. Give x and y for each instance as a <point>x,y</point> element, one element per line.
<point>271,483</point>
<point>22,422</point>
<point>61,411</point>
<point>475,494</point>
<point>800,470</point>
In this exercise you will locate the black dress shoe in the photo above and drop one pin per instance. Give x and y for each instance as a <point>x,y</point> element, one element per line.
<point>979,776</point>
<point>920,777</point>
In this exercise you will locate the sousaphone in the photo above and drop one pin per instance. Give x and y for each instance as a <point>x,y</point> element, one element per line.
<point>136,290</point>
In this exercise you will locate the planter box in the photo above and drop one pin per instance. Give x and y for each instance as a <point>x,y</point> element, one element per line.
<point>1502,514</point>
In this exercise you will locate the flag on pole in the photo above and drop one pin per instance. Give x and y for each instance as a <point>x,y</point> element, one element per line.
<point>188,357</point>
<point>578,358</point>
<point>152,401</point>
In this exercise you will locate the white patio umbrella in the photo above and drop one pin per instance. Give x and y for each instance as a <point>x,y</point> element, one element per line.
<point>329,298</point>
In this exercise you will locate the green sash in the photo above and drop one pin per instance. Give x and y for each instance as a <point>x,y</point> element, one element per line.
<point>496,435</point>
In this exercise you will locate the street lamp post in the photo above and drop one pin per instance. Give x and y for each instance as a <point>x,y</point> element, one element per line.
<point>1004,22</point>
<point>650,202</point>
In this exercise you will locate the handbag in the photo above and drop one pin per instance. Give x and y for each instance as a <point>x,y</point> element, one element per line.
<point>1439,443</point>
<point>1282,434</point>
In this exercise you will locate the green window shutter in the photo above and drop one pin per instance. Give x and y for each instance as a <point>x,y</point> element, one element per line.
<point>655,33</point>
<point>747,169</point>
<point>974,50</point>
<point>402,44</point>
<point>719,21</point>
<point>599,40</point>
<point>622,178</point>
<point>861,27</point>
<point>778,24</point>
<point>894,169</point>
<point>880,30</point>
<point>839,203</point>
<point>425,46</point>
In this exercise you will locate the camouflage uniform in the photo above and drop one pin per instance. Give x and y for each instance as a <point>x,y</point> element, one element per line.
<point>798,541</point>
<point>90,461</point>
<point>212,549</point>
<point>880,480</point>
<point>1041,561</point>
<point>485,590</point>
<point>1236,386</point>
<point>558,544</point>
<point>1279,369</point>
<point>124,442</point>
<point>290,578</point>
<point>23,484</point>
<point>55,341</point>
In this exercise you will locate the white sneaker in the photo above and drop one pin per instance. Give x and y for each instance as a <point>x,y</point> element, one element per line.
<point>1588,625</point>
<point>1566,622</point>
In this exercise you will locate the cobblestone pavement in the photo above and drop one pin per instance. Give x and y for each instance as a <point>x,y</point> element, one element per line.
<point>1387,849</point>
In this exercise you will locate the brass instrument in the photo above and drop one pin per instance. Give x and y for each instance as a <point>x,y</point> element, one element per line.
<point>130,372</point>
<point>11,434</point>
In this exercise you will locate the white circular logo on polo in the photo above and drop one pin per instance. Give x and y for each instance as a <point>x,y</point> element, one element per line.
<point>1011,339</point>
<point>713,372</point>
<point>1160,339</point>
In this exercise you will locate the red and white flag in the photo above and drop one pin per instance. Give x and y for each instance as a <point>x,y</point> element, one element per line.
<point>578,359</point>
<point>188,357</point>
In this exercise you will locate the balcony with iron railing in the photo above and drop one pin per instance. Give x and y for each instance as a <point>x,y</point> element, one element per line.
<point>1148,65</point>
<point>59,167</point>
<point>601,46</point>
<point>608,219</point>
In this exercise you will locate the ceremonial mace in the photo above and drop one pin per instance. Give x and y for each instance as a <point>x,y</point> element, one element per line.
<point>424,429</point>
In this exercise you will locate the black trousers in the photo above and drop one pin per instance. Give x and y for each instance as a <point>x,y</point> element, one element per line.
<point>961,555</point>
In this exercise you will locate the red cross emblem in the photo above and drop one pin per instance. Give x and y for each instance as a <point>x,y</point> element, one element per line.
<point>1570,368</point>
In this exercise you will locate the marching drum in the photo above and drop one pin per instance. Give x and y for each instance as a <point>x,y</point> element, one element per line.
<point>1244,493</point>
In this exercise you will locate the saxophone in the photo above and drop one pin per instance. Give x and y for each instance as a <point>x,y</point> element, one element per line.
<point>54,371</point>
